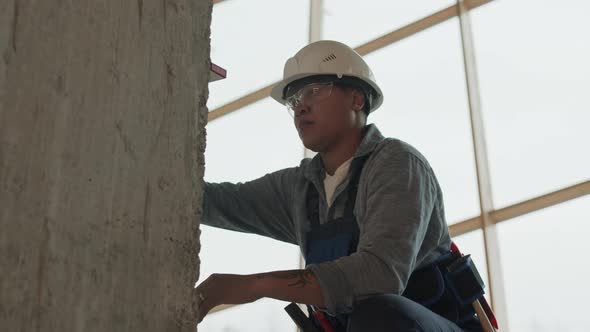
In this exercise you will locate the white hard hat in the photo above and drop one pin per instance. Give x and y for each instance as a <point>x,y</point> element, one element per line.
<point>327,57</point>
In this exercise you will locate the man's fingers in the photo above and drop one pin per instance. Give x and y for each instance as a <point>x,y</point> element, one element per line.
<point>201,301</point>
<point>204,307</point>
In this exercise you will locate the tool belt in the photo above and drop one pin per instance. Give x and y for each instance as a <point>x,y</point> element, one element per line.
<point>447,287</point>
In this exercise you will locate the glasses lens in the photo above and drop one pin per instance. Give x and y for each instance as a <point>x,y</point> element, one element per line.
<point>292,102</point>
<point>308,95</point>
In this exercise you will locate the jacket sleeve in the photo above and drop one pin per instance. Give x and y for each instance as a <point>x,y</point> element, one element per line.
<point>261,206</point>
<point>395,232</point>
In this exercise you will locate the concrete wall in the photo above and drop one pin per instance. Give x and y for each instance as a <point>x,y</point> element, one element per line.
<point>102,114</point>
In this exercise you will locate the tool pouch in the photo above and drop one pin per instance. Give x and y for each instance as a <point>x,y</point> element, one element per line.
<point>447,287</point>
<point>464,281</point>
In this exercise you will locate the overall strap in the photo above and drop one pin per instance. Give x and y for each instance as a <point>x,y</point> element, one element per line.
<point>313,198</point>
<point>357,168</point>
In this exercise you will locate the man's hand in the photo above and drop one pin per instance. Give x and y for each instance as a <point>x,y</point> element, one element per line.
<point>299,286</point>
<point>224,289</point>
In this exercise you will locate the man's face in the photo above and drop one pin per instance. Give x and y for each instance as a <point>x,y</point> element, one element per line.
<point>323,114</point>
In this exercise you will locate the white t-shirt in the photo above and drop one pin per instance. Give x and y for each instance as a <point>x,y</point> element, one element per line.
<point>332,181</point>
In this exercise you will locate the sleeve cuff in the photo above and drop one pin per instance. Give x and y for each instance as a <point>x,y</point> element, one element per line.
<point>336,290</point>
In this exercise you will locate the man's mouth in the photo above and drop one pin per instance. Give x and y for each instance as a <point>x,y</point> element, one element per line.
<point>304,124</point>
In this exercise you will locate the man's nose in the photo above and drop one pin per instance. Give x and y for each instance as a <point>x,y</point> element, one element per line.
<point>301,109</point>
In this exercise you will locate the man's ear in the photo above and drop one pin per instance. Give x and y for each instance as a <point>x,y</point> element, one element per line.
<point>358,100</point>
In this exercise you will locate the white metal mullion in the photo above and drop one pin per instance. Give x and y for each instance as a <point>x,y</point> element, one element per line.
<point>316,12</point>
<point>490,234</point>
<point>316,8</point>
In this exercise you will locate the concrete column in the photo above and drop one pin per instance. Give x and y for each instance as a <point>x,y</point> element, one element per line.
<point>102,115</point>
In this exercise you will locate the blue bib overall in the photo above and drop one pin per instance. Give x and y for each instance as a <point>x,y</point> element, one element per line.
<point>339,237</point>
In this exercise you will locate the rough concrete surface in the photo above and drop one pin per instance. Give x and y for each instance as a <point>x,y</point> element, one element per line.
<point>102,115</point>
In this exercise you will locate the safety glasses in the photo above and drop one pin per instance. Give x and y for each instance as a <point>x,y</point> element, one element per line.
<point>308,95</point>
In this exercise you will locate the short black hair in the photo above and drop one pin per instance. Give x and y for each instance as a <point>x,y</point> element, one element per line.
<point>364,92</point>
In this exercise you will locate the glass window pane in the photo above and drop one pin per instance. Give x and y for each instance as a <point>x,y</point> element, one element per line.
<point>355,23</point>
<point>425,104</point>
<point>534,77</point>
<point>242,146</point>
<point>252,39</point>
<point>544,258</point>
<point>251,142</point>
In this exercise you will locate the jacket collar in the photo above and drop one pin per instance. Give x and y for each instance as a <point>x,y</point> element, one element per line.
<point>372,137</point>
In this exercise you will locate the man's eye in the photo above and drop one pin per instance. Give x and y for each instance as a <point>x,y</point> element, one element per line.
<point>294,100</point>
<point>315,90</point>
<point>309,92</point>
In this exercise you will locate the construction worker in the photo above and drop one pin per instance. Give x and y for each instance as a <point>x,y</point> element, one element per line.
<point>366,211</point>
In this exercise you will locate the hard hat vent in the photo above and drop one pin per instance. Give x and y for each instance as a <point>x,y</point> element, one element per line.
<point>329,58</point>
